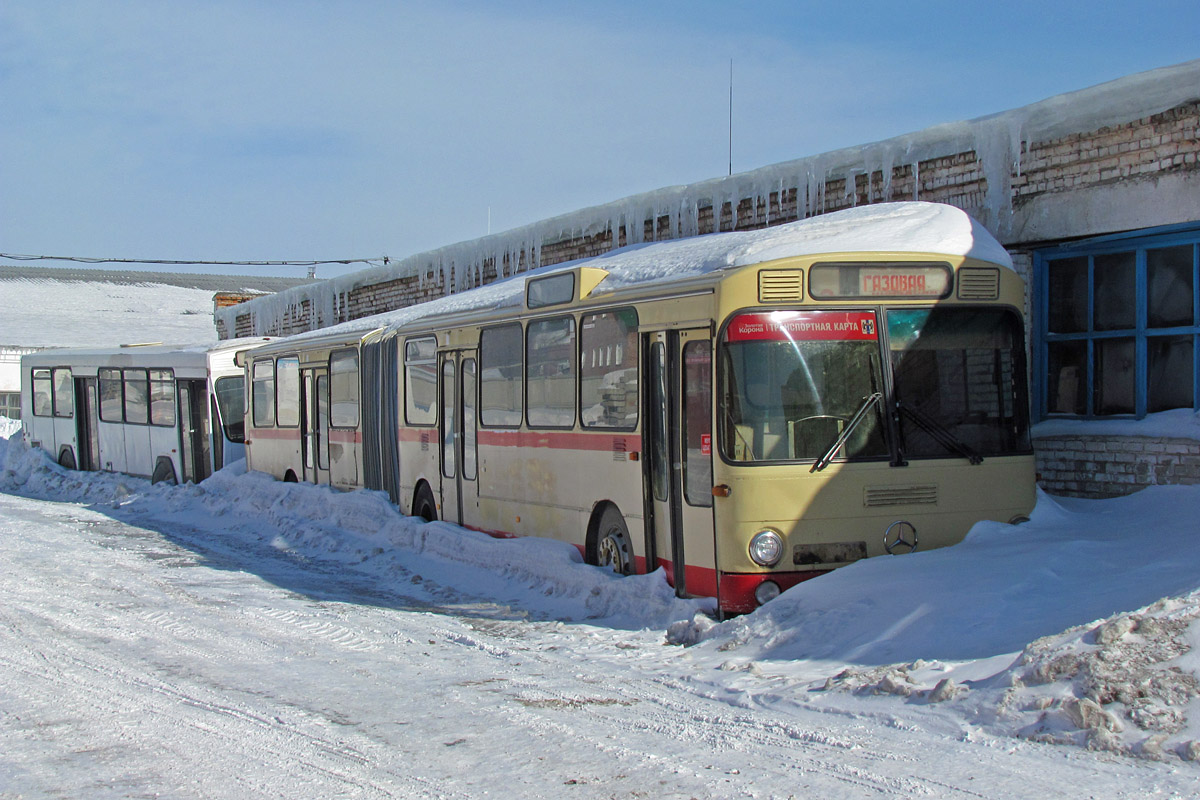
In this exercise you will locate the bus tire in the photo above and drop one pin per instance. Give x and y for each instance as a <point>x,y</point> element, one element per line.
<point>424,505</point>
<point>608,544</point>
<point>290,477</point>
<point>66,458</point>
<point>164,472</point>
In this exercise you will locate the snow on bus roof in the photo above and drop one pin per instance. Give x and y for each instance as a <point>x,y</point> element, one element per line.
<point>907,227</point>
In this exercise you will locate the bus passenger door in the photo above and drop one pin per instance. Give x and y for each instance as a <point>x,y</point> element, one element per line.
<point>460,489</point>
<point>193,433</point>
<point>86,417</point>
<point>677,443</point>
<point>314,424</point>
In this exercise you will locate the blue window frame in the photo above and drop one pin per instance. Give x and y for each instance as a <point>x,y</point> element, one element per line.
<point>1117,325</point>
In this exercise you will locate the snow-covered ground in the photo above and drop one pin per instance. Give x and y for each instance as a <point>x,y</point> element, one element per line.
<point>248,638</point>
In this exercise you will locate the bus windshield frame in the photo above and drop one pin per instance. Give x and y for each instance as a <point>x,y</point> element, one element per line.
<point>800,385</point>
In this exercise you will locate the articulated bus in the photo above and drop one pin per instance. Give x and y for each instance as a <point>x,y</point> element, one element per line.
<point>744,410</point>
<point>168,413</point>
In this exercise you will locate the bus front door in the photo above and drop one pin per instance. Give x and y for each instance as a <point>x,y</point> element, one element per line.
<point>677,443</point>
<point>86,418</point>
<point>194,452</point>
<point>460,489</point>
<point>314,423</point>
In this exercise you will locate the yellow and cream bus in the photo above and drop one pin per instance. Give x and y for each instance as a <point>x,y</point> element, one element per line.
<point>744,410</point>
<point>166,412</point>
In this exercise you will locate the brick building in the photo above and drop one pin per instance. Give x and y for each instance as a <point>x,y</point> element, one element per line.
<point>1096,194</point>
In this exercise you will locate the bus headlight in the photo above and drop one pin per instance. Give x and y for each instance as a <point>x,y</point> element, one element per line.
<point>766,548</point>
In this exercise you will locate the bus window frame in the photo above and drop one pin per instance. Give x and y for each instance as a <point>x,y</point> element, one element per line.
<point>66,395</point>
<point>482,366</point>
<point>268,420</point>
<point>341,353</point>
<point>278,386</point>
<point>46,379</point>
<point>431,360</point>
<point>636,367</point>
<point>572,361</point>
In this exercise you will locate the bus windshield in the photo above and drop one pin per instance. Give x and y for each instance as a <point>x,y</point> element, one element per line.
<point>959,382</point>
<point>792,381</point>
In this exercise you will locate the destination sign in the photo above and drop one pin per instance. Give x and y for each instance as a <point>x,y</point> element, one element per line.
<point>807,326</point>
<point>900,281</point>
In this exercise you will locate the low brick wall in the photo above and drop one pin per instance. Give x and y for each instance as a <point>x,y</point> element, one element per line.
<point>1114,465</point>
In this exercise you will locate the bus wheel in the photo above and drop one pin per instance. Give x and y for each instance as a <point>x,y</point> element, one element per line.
<point>164,471</point>
<point>424,506</point>
<point>66,459</point>
<point>611,549</point>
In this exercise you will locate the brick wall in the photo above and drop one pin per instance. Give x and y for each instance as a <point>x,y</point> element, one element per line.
<point>1094,466</point>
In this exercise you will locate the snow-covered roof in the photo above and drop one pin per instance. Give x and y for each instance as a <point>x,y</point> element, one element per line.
<point>911,227</point>
<point>996,139</point>
<point>85,308</point>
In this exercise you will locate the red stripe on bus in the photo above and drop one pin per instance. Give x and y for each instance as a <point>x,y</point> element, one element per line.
<point>561,440</point>
<point>345,436</point>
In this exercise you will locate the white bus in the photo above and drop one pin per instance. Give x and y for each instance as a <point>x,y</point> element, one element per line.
<point>168,413</point>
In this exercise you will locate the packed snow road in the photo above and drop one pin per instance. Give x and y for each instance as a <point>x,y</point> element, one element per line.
<point>234,641</point>
<point>139,663</point>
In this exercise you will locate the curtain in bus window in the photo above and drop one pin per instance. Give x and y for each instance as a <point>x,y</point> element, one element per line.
<point>287,392</point>
<point>137,396</point>
<point>64,393</point>
<point>501,400</point>
<point>162,397</point>
<point>959,381</point>
<point>608,372</point>
<point>343,386</point>
<point>231,401</point>
<point>550,373</point>
<point>43,396</point>
<point>322,441</point>
<point>697,422</point>
<point>109,384</point>
<point>263,391</point>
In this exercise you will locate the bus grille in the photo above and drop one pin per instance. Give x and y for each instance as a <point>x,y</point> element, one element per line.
<point>978,284</point>
<point>879,496</point>
<point>780,285</point>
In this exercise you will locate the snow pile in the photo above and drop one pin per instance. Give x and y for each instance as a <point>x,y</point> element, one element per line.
<point>980,626</point>
<point>362,532</point>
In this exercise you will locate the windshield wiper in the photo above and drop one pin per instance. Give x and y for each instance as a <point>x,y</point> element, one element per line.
<point>941,434</point>
<point>826,457</point>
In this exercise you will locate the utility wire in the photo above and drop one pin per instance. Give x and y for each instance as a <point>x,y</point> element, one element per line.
<point>381,260</point>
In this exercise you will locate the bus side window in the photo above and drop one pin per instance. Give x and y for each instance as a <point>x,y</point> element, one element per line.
<point>263,393</point>
<point>137,396</point>
<point>287,392</point>
<point>550,373</point>
<point>343,383</point>
<point>43,398</point>
<point>608,374</point>
<point>501,402</point>
<point>111,395</point>
<point>64,393</point>
<point>162,397</point>
<point>420,381</point>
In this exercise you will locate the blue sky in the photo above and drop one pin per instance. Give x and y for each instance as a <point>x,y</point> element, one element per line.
<point>256,130</point>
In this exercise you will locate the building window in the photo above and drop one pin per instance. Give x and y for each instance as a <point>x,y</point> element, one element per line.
<point>10,405</point>
<point>1117,324</point>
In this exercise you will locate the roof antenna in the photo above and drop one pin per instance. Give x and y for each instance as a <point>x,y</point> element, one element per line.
<point>731,116</point>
